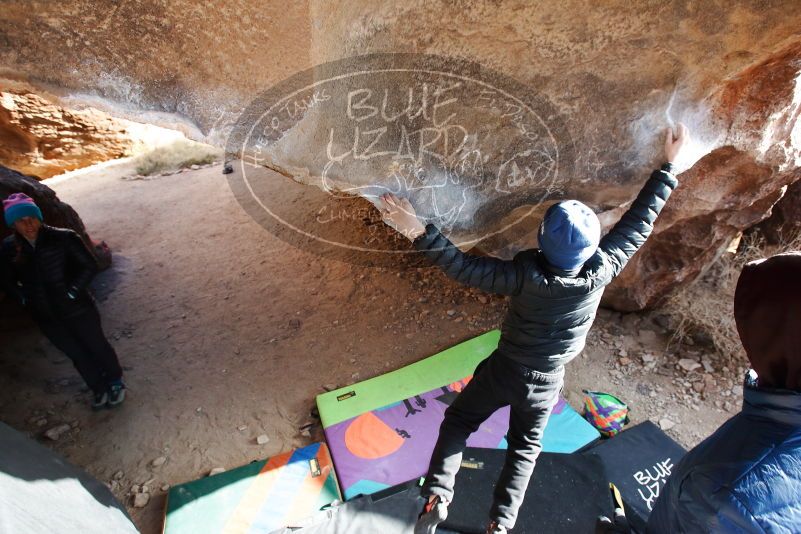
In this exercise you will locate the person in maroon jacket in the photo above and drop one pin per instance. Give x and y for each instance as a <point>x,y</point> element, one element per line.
<point>746,476</point>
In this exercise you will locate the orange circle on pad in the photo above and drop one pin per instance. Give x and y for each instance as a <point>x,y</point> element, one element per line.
<point>370,438</point>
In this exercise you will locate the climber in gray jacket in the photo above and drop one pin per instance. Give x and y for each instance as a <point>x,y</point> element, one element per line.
<point>555,292</point>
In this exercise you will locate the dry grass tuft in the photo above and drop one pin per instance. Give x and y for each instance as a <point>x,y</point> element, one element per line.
<point>705,308</point>
<point>176,155</point>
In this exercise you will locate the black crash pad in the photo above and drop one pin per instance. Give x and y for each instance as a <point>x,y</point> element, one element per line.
<point>639,461</point>
<point>566,494</point>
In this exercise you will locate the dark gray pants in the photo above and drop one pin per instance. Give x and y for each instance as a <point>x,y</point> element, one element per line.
<point>497,382</point>
<point>82,339</point>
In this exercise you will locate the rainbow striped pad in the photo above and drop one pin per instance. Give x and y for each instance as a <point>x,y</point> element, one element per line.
<point>256,498</point>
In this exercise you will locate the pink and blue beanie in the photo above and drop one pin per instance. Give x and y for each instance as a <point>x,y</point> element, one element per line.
<point>20,205</point>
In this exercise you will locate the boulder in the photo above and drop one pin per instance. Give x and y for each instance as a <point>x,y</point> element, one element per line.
<point>484,119</point>
<point>728,190</point>
<point>784,224</point>
<point>54,211</point>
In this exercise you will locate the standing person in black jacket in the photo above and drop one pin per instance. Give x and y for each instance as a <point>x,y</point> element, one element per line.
<point>555,292</point>
<point>48,270</point>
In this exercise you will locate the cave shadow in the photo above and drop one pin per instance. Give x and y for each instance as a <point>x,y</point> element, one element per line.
<point>107,281</point>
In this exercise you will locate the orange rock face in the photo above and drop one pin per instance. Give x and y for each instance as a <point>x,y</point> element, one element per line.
<point>41,139</point>
<point>784,224</point>
<point>728,190</point>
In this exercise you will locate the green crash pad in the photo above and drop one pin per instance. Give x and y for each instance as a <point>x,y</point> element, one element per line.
<point>450,365</point>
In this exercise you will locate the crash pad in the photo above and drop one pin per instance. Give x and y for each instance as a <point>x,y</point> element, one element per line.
<point>384,447</point>
<point>256,498</point>
<point>448,366</point>
<point>393,510</point>
<point>566,493</point>
<point>639,461</point>
<point>387,446</point>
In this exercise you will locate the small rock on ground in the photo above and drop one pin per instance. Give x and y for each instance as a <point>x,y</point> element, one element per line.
<point>216,471</point>
<point>262,439</point>
<point>141,500</point>
<point>666,424</point>
<point>57,431</point>
<point>688,364</point>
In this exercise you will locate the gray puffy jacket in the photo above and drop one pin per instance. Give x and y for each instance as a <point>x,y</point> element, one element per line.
<point>551,311</point>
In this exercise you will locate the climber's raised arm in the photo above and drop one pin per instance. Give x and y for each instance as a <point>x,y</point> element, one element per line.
<point>504,277</point>
<point>634,227</point>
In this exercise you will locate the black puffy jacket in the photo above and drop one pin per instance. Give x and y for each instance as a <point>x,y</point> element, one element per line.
<point>42,276</point>
<point>551,311</point>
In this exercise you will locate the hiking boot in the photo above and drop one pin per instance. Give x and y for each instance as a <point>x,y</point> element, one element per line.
<point>495,528</point>
<point>434,512</point>
<point>116,393</point>
<point>99,400</point>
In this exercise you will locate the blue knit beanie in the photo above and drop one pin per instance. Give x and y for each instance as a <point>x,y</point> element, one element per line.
<point>569,234</point>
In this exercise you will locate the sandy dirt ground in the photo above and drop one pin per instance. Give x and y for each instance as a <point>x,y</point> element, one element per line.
<point>226,333</point>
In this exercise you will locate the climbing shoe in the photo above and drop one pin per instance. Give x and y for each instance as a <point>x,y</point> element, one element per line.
<point>116,393</point>
<point>495,528</point>
<point>99,400</point>
<point>434,513</point>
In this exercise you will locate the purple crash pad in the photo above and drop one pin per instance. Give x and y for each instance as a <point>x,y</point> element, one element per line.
<point>393,444</point>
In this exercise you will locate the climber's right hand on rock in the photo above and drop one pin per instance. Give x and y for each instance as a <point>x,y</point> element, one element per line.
<point>675,141</point>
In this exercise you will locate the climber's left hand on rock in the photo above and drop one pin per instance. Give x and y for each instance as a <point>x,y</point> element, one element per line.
<point>400,215</point>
